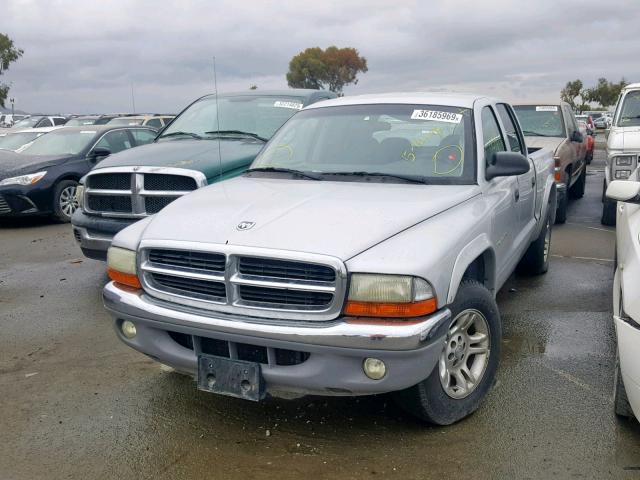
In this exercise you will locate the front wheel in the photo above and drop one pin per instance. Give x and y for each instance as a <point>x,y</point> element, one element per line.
<point>64,200</point>
<point>468,363</point>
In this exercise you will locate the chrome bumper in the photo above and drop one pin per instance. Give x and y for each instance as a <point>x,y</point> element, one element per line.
<point>137,306</point>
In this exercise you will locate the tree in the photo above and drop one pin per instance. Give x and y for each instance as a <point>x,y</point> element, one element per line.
<point>331,69</point>
<point>8,54</point>
<point>253,87</point>
<point>571,91</point>
<point>605,92</point>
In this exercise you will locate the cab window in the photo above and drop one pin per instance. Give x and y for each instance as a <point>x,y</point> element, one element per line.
<point>512,132</point>
<point>491,136</point>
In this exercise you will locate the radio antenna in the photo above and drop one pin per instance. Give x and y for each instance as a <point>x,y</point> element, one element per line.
<point>215,86</point>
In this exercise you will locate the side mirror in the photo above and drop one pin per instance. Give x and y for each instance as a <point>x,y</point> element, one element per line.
<point>624,191</point>
<point>576,136</point>
<point>99,153</point>
<point>507,164</point>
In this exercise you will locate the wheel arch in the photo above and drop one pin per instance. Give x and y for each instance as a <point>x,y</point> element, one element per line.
<point>475,261</point>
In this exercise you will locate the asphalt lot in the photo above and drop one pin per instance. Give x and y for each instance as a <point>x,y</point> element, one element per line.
<point>76,403</point>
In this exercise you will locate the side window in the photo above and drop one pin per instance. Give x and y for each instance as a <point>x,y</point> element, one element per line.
<point>512,132</point>
<point>44,122</point>
<point>115,141</point>
<point>154,122</point>
<point>491,136</point>
<point>143,136</point>
<point>59,121</point>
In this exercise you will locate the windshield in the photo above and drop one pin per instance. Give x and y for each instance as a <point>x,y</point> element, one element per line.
<point>427,143</point>
<point>126,121</point>
<point>78,122</point>
<point>27,122</point>
<point>630,112</point>
<point>61,142</point>
<point>14,141</point>
<point>540,120</point>
<point>260,116</point>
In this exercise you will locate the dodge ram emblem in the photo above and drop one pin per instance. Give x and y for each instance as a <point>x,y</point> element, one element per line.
<point>245,225</point>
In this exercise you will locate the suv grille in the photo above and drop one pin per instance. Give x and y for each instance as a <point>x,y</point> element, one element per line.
<point>233,282</point>
<point>125,192</point>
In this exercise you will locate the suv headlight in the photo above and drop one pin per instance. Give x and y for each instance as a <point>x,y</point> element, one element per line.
<point>622,166</point>
<point>390,296</point>
<point>24,179</point>
<point>80,195</point>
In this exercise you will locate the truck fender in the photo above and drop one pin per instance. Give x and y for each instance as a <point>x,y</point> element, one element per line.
<point>548,201</point>
<point>479,246</point>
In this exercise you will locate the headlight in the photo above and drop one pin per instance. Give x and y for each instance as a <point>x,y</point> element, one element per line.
<point>622,174</point>
<point>80,195</point>
<point>624,160</point>
<point>392,296</point>
<point>24,179</point>
<point>121,266</point>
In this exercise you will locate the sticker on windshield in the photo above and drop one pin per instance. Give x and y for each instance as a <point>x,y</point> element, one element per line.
<point>546,108</point>
<point>282,104</point>
<point>436,116</point>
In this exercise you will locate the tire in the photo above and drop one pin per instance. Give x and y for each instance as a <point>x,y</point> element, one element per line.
<point>621,405</point>
<point>561,210</point>
<point>608,213</point>
<point>64,201</point>
<point>536,259</point>
<point>589,157</point>
<point>577,190</point>
<point>430,400</point>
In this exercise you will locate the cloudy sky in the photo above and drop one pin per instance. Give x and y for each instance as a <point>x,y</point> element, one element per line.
<point>85,56</point>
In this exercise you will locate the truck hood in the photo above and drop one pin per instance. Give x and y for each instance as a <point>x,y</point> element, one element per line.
<point>327,217</point>
<point>625,138</point>
<point>200,155</point>
<point>552,143</point>
<point>13,164</point>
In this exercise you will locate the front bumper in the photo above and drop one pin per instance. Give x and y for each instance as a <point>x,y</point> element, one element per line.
<point>17,200</point>
<point>335,350</point>
<point>629,351</point>
<point>95,234</point>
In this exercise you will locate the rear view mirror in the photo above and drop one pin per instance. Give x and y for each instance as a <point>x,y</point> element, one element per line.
<point>506,164</point>
<point>624,191</point>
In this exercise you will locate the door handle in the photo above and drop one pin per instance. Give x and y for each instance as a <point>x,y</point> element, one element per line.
<point>517,194</point>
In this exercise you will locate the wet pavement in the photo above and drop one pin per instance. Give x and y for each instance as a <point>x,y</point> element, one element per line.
<point>76,403</point>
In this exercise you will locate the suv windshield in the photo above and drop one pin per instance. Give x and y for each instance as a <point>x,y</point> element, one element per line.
<point>380,142</point>
<point>540,120</point>
<point>630,112</point>
<point>60,142</point>
<point>260,116</point>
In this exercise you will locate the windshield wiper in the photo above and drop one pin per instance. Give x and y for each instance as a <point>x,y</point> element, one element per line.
<point>175,134</point>
<point>238,132</point>
<point>285,170</point>
<point>534,134</point>
<point>406,178</point>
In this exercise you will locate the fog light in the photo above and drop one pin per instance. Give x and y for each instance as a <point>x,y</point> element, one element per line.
<point>374,368</point>
<point>128,329</point>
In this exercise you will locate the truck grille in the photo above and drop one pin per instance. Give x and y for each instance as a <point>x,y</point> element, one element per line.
<point>137,191</point>
<point>234,281</point>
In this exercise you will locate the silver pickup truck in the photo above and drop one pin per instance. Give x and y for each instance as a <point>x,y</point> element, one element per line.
<point>360,254</point>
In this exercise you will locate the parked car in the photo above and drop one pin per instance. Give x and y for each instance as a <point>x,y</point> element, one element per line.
<point>588,122</point>
<point>15,140</point>
<point>193,151</point>
<point>10,119</point>
<point>360,254</point>
<point>156,121</point>
<point>82,120</point>
<point>590,141</point>
<point>601,122</point>
<point>626,307</point>
<point>43,178</point>
<point>553,126</point>
<point>623,146</point>
<point>39,121</point>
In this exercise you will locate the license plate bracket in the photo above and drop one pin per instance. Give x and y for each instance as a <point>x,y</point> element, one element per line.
<point>235,378</point>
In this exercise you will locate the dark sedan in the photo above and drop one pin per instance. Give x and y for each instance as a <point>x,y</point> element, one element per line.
<point>42,179</point>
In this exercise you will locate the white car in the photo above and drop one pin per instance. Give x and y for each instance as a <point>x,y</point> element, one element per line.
<point>18,139</point>
<point>626,302</point>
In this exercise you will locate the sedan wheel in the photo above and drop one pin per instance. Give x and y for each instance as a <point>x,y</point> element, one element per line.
<point>67,200</point>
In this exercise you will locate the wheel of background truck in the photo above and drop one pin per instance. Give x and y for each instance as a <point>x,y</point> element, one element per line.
<point>468,363</point>
<point>536,258</point>
<point>64,200</point>
<point>621,405</point>
<point>561,209</point>
<point>608,213</point>
<point>577,190</point>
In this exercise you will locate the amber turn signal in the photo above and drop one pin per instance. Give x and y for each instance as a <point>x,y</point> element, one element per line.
<point>127,279</point>
<point>390,310</point>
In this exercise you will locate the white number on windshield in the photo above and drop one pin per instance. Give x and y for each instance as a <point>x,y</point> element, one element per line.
<point>436,116</point>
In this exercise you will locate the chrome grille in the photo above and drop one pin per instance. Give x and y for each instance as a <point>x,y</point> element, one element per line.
<point>136,192</point>
<point>4,206</point>
<point>237,280</point>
